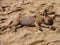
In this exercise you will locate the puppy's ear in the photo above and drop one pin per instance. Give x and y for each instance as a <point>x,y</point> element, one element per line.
<point>45,12</point>
<point>53,17</point>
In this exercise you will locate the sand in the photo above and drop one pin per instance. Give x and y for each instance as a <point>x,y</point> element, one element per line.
<point>10,11</point>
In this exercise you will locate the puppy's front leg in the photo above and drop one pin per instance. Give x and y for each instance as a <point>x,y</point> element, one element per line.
<point>38,26</point>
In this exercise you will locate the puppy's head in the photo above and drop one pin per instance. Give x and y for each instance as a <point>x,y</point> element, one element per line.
<point>49,20</point>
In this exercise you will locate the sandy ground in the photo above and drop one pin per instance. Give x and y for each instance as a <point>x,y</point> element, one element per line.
<point>9,11</point>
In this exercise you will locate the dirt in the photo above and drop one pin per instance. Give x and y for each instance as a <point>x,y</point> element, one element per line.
<point>13,34</point>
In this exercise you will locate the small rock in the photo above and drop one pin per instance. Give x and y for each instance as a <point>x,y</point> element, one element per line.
<point>53,28</point>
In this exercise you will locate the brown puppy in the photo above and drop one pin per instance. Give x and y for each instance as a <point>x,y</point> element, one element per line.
<point>36,21</point>
<point>29,21</point>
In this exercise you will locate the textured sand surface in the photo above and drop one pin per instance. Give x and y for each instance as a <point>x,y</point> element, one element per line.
<point>10,10</point>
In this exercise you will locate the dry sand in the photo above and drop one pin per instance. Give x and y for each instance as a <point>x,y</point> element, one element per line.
<point>11,9</point>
